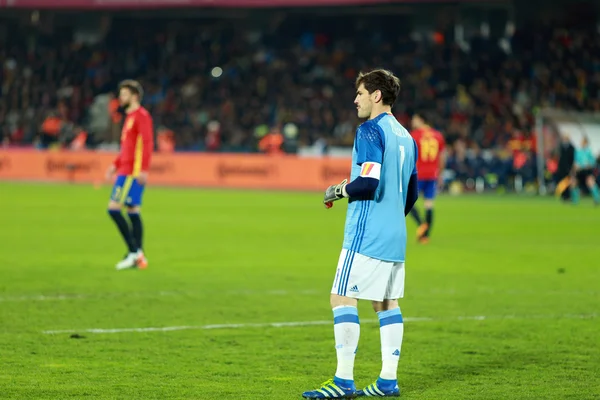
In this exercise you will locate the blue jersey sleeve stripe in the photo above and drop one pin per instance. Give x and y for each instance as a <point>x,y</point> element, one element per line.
<point>363,228</point>
<point>362,214</point>
<point>360,226</point>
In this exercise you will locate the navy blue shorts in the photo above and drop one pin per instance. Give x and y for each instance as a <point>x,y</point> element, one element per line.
<point>127,191</point>
<point>428,188</point>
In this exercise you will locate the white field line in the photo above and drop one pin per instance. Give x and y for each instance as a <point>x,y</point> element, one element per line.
<point>309,292</point>
<point>99,296</point>
<point>307,323</point>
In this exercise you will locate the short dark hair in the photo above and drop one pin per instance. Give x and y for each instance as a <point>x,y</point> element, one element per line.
<point>133,86</point>
<point>383,80</point>
<point>421,115</point>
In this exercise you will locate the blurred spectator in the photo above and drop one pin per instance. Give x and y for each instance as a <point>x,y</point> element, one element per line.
<point>271,143</point>
<point>299,69</point>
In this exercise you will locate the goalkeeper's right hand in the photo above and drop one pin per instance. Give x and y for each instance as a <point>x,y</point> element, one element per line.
<point>334,193</point>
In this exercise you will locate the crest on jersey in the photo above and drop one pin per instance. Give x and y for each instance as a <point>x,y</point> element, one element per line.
<point>126,129</point>
<point>129,124</point>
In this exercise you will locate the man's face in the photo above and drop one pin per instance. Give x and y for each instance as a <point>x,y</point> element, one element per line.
<point>125,97</point>
<point>364,101</point>
<point>416,122</point>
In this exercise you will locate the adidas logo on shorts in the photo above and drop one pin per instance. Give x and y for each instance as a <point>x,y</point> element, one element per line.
<point>354,289</point>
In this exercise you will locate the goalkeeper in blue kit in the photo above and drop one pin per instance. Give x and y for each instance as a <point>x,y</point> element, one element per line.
<point>381,192</point>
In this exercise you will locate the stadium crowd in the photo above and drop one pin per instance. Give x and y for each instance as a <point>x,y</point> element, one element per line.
<point>219,86</point>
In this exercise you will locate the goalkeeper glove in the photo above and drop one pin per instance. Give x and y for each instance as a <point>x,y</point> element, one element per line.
<point>335,192</point>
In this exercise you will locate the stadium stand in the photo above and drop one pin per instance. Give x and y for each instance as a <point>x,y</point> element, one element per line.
<point>222,85</point>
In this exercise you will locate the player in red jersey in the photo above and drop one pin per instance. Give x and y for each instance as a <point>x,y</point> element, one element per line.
<point>430,164</point>
<point>131,168</point>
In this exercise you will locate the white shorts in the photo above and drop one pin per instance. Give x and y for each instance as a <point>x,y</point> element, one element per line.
<point>367,278</point>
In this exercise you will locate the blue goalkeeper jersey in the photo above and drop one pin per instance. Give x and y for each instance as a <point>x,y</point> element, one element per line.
<point>376,226</point>
<point>584,158</point>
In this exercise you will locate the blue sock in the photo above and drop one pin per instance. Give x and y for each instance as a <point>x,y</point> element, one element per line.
<point>346,330</point>
<point>575,195</point>
<point>595,193</point>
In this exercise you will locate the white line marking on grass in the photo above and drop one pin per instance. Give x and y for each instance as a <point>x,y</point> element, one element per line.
<point>308,323</point>
<point>40,297</point>
<point>249,292</point>
<point>99,296</point>
<point>195,327</point>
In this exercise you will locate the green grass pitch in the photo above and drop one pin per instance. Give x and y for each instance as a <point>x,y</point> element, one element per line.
<point>502,304</point>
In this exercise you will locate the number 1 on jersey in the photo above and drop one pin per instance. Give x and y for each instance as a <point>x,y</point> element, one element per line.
<point>402,155</point>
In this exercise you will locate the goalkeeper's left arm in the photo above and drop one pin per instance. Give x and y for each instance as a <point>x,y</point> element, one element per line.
<point>365,185</point>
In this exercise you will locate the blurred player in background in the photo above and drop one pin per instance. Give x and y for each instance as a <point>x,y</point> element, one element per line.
<point>382,191</point>
<point>431,164</point>
<point>585,162</point>
<point>564,172</point>
<point>131,167</point>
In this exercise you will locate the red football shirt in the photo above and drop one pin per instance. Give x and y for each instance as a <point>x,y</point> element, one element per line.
<point>137,143</point>
<point>430,144</point>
